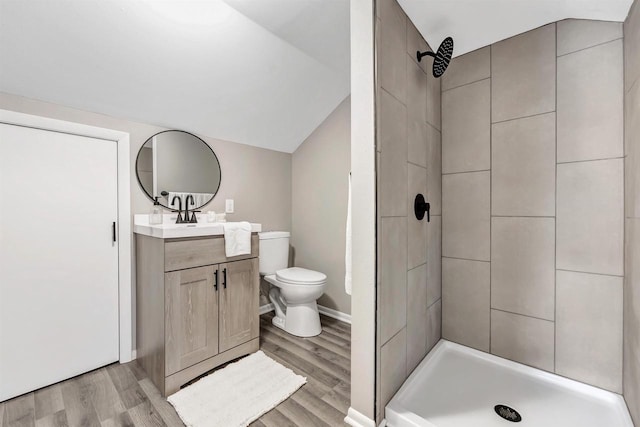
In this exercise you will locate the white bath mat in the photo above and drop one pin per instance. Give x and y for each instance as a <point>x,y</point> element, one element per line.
<point>237,394</point>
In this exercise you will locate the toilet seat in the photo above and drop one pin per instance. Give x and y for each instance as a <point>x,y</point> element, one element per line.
<point>300,276</point>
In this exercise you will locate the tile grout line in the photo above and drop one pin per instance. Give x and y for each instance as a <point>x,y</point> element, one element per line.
<point>409,219</point>
<point>624,202</point>
<point>582,49</point>
<point>464,259</point>
<point>589,272</point>
<point>458,173</point>
<point>469,83</point>
<point>521,314</point>
<point>490,191</point>
<point>589,160</point>
<point>409,162</point>
<point>555,223</point>
<point>523,216</point>
<point>434,303</point>
<point>524,117</point>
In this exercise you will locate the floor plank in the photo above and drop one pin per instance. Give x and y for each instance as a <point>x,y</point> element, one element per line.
<point>299,415</point>
<point>310,379</point>
<point>309,345</point>
<point>275,418</point>
<point>318,407</point>
<point>123,396</point>
<point>20,412</point>
<point>331,323</point>
<point>160,404</point>
<point>58,419</point>
<point>337,349</point>
<point>337,337</point>
<point>122,420</point>
<point>105,399</point>
<point>76,394</point>
<point>338,399</point>
<point>127,385</point>
<point>48,401</point>
<point>310,369</point>
<point>146,415</point>
<point>323,359</point>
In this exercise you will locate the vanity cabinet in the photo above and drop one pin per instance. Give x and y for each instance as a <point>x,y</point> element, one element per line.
<point>196,308</point>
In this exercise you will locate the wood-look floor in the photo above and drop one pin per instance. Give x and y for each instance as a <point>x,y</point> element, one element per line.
<point>122,395</point>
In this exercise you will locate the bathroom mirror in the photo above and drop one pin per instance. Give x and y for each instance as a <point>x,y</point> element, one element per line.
<point>176,163</point>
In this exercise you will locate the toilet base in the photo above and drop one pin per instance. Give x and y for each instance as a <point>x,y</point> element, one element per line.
<point>278,322</point>
<point>301,320</point>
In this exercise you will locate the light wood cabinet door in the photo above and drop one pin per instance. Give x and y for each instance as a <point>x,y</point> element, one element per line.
<point>191,316</point>
<point>239,295</point>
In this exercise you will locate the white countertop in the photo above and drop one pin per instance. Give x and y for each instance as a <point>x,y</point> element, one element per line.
<point>170,230</point>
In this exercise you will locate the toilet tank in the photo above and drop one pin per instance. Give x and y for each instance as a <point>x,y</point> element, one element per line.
<point>274,251</point>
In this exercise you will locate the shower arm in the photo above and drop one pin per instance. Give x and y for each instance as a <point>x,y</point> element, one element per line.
<point>420,55</point>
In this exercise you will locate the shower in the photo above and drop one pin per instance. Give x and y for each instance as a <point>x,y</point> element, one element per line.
<point>441,58</point>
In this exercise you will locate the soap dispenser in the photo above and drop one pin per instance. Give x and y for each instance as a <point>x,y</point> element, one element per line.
<point>155,216</point>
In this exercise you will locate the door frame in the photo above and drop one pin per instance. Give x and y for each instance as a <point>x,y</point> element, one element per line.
<point>124,209</point>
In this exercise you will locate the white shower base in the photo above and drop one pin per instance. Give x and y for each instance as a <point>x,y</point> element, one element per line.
<point>456,386</point>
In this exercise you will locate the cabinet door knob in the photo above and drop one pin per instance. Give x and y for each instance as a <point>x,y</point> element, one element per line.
<point>224,278</point>
<point>215,283</point>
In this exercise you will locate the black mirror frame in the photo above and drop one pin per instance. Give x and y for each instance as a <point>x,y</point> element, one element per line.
<point>144,190</point>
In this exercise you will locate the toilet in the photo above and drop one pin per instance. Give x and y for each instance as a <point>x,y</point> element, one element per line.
<point>295,290</point>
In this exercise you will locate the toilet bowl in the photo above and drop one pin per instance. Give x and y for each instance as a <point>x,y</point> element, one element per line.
<point>294,297</point>
<point>294,291</point>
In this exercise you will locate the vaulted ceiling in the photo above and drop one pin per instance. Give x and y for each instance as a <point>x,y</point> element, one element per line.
<point>477,23</point>
<point>263,73</point>
<point>258,72</point>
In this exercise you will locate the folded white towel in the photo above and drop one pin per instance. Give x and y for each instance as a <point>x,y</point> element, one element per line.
<point>237,238</point>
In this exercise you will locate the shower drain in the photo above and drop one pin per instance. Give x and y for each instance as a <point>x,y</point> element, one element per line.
<point>508,413</point>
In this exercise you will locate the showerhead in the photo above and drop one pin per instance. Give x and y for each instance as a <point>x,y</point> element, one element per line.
<point>441,58</point>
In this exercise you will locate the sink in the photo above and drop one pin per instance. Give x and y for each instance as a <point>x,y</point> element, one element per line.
<point>170,230</point>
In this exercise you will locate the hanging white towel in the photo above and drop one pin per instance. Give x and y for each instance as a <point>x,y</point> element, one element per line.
<point>237,238</point>
<point>347,252</point>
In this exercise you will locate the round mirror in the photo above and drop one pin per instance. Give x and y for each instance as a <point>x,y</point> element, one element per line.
<point>173,164</point>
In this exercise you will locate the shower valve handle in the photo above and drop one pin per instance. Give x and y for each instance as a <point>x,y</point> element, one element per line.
<point>420,206</point>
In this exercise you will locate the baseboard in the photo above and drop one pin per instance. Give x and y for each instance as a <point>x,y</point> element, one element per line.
<point>356,419</point>
<point>134,354</point>
<point>266,308</point>
<point>346,318</point>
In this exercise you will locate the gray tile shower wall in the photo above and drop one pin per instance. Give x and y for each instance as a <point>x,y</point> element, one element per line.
<point>631,338</point>
<point>408,122</point>
<point>533,204</point>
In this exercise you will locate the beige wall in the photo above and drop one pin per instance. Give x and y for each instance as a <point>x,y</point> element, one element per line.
<point>319,187</point>
<point>631,376</point>
<point>258,180</point>
<point>409,162</point>
<point>532,193</point>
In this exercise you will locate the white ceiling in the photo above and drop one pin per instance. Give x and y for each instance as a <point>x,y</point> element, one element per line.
<point>263,73</point>
<point>477,23</point>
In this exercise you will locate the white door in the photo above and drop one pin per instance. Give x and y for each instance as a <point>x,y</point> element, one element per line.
<point>58,260</point>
